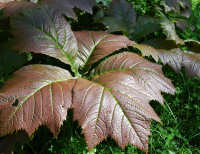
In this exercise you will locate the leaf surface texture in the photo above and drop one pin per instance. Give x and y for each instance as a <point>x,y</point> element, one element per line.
<point>95,45</point>
<point>43,30</point>
<point>175,57</point>
<point>116,101</point>
<point>35,95</point>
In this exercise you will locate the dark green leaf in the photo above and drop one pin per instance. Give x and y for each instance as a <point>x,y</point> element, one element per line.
<point>120,17</point>
<point>10,61</point>
<point>145,25</point>
<point>66,6</point>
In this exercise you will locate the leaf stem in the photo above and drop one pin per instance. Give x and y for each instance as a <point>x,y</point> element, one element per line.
<point>74,68</point>
<point>72,63</point>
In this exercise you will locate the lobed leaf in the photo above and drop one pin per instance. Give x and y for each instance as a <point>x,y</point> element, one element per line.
<point>191,45</point>
<point>147,50</point>
<point>95,45</point>
<point>43,30</point>
<point>35,95</point>
<point>116,101</point>
<point>170,31</point>
<point>155,47</point>
<point>174,58</point>
<point>177,59</point>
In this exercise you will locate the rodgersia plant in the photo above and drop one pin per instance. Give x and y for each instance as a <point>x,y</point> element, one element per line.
<point>109,92</point>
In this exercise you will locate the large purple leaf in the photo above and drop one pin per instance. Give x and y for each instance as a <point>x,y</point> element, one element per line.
<point>116,101</point>
<point>35,95</point>
<point>43,30</point>
<point>95,45</point>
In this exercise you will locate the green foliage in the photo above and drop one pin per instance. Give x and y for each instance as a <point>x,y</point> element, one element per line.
<point>193,29</point>
<point>143,6</point>
<point>179,116</point>
<point>195,4</point>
